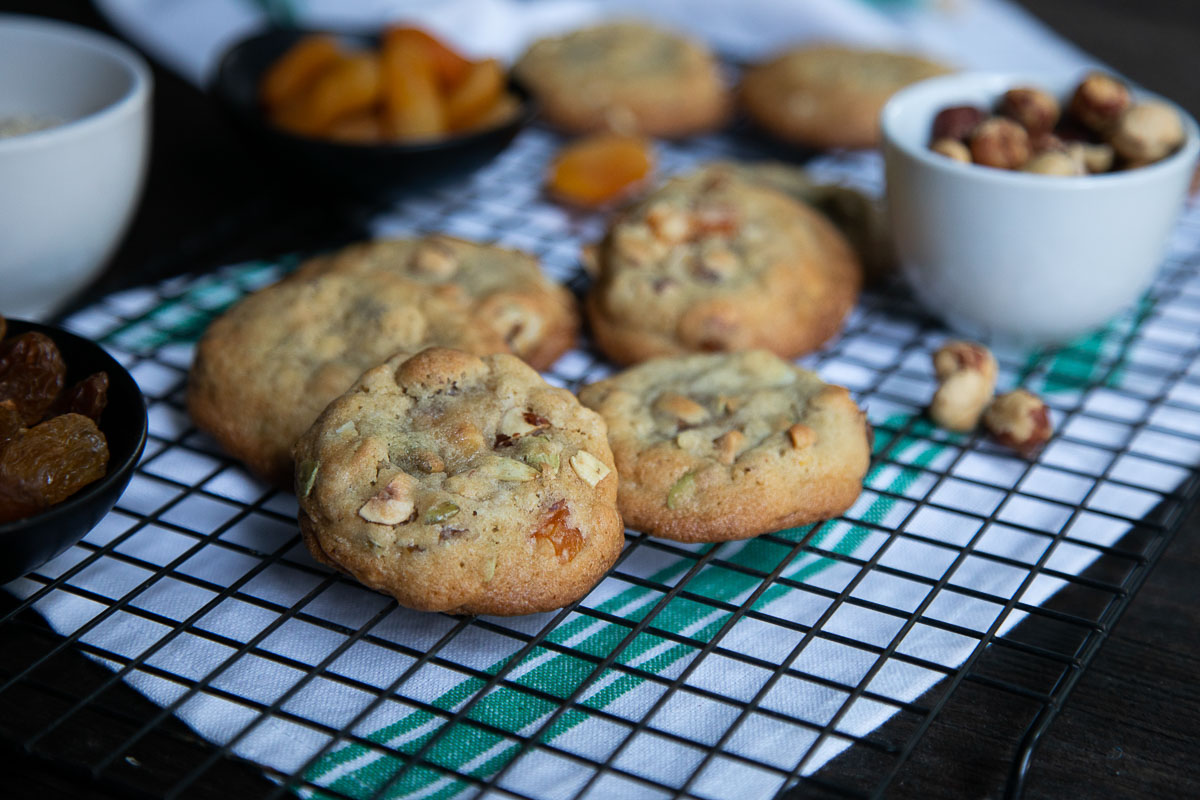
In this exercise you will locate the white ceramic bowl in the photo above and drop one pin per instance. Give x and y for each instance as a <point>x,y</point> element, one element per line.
<point>67,193</point>
<point>1032,259</point>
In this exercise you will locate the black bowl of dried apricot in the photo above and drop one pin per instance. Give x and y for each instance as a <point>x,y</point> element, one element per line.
<point>72,427</point>
<point>369,115</point>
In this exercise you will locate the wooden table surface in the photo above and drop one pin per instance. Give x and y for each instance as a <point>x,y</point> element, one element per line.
<point>1131,726</point>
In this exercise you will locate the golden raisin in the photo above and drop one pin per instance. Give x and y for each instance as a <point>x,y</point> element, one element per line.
<point>48,463</point>
<point>31,374</point>
<point>567,541</point>
<point>599,169</point>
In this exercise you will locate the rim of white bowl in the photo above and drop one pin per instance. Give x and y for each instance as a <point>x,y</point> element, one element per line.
<point>133,99</point>
<point>997,83</point>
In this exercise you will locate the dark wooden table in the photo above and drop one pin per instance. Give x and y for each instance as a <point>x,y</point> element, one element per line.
<point>1131,726</point>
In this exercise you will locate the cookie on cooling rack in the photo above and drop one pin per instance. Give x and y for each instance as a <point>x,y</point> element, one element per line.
<point>829,96</point>
<point>627,77</point>
<point>265,369</point>
<point>503,289</point>
<point>714,262</point>
<point>461,484</point>
<point>715,447</point>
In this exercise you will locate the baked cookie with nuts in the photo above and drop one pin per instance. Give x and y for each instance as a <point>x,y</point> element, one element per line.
<point>461,484</point>
<point>829,96</point>
<point>714,447</point>
<point>265,369</point>
<point>500,288</point>
<point>627,77</point>
<point>715,262</point>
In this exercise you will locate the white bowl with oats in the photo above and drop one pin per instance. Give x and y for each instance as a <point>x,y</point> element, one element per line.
<point>74,135</point>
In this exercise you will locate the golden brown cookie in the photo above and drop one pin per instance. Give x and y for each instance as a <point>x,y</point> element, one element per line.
<point>829,96</point>
<point>461,484</point>
<point>713,262</point>
<point>627,77</point>
<point>504,289</point>
<point>265,369</point>
<point>728,446</point>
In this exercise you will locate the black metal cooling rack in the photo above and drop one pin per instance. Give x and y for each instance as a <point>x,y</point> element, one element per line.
<point>80,716</point>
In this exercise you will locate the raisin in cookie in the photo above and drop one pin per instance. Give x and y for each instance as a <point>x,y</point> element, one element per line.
<point>461,484</point>
<point>504,289</point>
<point>626,77</point>
<point>713,262</point>
<point>829,96</point>
<point>265,369</point>
<point>728,446</point>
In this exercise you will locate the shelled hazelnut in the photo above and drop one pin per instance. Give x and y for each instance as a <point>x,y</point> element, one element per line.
<point>952,148</point>
<point>1000,142</point>
<point>1099,101</point>
<point>957,122</point>
<point>1102,129</point>
<point>1035,109</point>
<point>966,373</point>
<point>1054,162</point>
<point>1147,132</point>
<point>1019,419</point>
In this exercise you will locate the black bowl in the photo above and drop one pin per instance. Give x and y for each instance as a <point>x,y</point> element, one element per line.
<point>371,171</point>
<point>26,544</point>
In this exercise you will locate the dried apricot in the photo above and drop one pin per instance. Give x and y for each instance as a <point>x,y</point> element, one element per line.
<point>567,541</point>
<point>349,85</point>
<point>11,423</point>
<point>600,169</point>
<point>298,68</point>
<point>31,374</point>
<point>475,95</point>
<point>48,463</point>
<point>412,106</point>
<point>449,67</point>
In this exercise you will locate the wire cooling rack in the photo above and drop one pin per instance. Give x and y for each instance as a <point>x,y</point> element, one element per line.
<point>804,663</point>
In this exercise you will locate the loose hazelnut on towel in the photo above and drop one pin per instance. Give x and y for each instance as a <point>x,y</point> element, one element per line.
<point>966,373</point>
<point>1019,419</point>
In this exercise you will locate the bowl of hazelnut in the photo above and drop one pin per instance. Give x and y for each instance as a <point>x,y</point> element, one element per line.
<point>1033,208</point>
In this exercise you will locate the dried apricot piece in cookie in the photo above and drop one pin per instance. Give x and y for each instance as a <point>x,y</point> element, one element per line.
<point>727,446</point>
<point>461,484</point>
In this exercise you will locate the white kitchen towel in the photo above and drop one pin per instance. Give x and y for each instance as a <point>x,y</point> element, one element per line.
<point>713,671</point>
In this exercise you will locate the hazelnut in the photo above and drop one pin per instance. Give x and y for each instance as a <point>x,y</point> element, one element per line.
<point>1099,101</point>
<point>1020,420</point>
<point>1045,143</point>
<point>1034,108</point>
<point>953,149</point>
<point>1000,142</point>
<point>966,373</point>
<point>1054,162</point>
<point>1095,158</point>
<point>1147,132</point>
<point>957,122</point>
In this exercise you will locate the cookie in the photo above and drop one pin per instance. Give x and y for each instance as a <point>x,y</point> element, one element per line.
<point>627,77</point>
<point>504,289</point>
<point>461,484</point>
<point>713,262</point>
<point>829,96</point>
<point>265,369</point>
<point>860,217</point>
<point>723,446</point>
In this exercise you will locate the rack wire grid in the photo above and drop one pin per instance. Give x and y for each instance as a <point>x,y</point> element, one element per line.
<point>806,662</point>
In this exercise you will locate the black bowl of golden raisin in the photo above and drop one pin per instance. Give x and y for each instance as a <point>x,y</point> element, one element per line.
<point>72,427</point>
